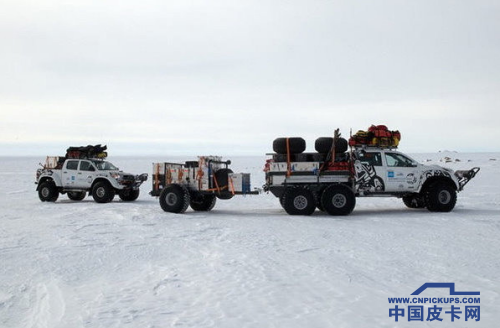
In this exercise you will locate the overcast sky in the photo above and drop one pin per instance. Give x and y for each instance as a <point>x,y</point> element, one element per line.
<point>227,77</point>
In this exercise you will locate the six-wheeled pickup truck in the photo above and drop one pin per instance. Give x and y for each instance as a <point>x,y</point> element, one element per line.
<point>331,179</point>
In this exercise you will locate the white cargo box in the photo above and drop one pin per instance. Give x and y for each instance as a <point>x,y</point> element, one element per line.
<point>239,182</point>
<point>295,167</point>
<point>304,167</point>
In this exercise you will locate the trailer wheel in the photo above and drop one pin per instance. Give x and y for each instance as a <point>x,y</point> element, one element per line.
<point>129,195</point>
<point>103,192</point>
<point>441,198</point>
<point>47,192</point>
<point>77,195</point>
<point>203,203</point>
<point>414,201</point>
<point>174,198</point>
<point>299,201</point>
<point>338,200</point>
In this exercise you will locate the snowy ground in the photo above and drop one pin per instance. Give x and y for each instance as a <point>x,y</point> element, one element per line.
<point>246,263</point>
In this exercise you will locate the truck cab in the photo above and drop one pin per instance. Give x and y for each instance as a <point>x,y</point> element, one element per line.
<point>390,171</point>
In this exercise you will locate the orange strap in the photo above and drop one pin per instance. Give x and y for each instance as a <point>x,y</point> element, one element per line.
<point>216,184</point>
<point>231,185</point>
<point>169,176</point>
<point>217,189</point>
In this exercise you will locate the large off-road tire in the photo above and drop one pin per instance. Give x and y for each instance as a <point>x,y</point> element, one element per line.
<point>324,145</point>
<point>203,203</point>
<point>102,192</point>
<point>129,195</point>
<point>47,192</point>
<point>414,201</point>
<point>296,144</point>
<point>77,195</point>
<point>174,198</point>
<point>299,201</point>
<point>441,197</point>
<point>338,200</point>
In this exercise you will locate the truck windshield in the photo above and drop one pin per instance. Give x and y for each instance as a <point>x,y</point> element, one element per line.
<point>105,166</point>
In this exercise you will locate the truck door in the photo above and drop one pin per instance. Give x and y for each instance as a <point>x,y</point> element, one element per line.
<point>85,175</point>
<point>368,172</point>
<point>69,173</point>
<point>401,173</point>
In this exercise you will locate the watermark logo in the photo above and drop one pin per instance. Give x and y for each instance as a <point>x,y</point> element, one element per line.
<point>431,308</point>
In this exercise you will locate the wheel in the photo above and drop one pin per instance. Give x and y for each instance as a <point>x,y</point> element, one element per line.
<point>203,203</point>
<point>174,198</point>
<point>103,192</point>
<point>299,201</point>
<point>338,200</point>
<point>129,195</point>
<point>414,201</point>
<point>441,198</point>
<point>324,145</point>
<point>77,195</point>
<point>47,192</point>
<point>296,144</point>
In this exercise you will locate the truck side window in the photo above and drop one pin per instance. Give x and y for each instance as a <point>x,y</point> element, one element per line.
<point>86,166</point>
<point>371,158</point>
<point>398,160</point>
<point>72,165</point>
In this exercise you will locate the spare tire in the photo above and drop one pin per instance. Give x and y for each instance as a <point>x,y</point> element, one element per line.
<point>297,145</point>
<point>324,145</point>
<point>222,177</point>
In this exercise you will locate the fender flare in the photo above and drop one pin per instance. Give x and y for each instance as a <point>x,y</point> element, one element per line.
<point>432,181</point>
<point>53,178</point>
<point>99,180</point>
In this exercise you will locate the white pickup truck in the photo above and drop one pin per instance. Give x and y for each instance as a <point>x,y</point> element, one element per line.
<point>75,177</point>
<point>303,183</point>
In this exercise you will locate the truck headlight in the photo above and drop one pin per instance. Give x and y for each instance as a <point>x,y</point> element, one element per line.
<point>116,176</point>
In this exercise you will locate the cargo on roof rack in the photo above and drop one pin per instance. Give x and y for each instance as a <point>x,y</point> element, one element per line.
<point>376,136</point>
<point>89,151</point>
